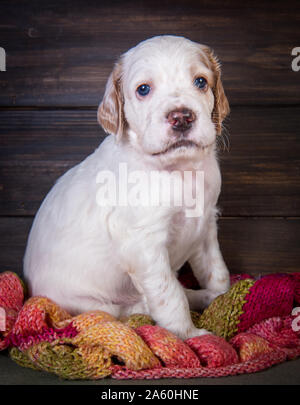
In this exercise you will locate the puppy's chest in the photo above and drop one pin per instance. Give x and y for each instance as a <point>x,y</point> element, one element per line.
<point>183,234</point>
<point>186,233</point>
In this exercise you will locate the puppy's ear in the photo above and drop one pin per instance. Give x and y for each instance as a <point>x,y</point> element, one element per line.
<point>111,112</point>
<point>221,106</point>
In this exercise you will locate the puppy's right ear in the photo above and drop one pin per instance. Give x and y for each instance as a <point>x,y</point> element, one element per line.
<point>111,110</point>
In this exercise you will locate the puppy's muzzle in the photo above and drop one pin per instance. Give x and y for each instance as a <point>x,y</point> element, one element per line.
<point>181,120</point>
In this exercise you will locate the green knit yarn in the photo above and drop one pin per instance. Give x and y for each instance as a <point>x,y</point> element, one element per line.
<point>22,359</point>
<point>222,315</point>
<point>136,320</point>
<point>65,360</point>
<point>196,316</point>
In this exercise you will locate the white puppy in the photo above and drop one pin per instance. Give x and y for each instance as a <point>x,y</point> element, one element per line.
<point>163,107</point>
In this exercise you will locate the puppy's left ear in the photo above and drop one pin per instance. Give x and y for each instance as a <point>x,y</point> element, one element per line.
<point>111,110</point>
<point>221,106</point>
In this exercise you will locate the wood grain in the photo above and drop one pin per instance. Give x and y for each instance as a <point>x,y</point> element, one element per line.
<point>260,171</point>
<point>249,245</point>
<point>61,53</point>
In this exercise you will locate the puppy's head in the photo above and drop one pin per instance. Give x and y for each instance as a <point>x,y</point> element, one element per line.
<point>165,97</point>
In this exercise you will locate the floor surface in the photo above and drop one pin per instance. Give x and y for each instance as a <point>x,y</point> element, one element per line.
<point>287,373</point>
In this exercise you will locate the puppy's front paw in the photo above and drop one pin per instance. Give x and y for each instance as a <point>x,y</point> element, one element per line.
<point>196,332</point>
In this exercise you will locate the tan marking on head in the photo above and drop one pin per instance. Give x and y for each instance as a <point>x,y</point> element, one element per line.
<point>111,110</point>
<point>221,105</point>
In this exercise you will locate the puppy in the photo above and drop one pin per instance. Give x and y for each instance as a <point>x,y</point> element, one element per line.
<point>163,108</point>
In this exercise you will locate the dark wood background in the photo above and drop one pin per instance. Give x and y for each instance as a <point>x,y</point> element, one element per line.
<point>59,55</point>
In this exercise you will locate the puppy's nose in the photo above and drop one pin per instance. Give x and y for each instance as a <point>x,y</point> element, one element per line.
<point>181,120</point>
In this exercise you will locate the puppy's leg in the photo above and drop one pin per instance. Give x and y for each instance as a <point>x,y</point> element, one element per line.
<point>165,297</point>
<point>78,305</point>
<point>209,269</point>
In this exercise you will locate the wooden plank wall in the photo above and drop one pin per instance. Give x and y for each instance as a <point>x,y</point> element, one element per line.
<point>59,55</point>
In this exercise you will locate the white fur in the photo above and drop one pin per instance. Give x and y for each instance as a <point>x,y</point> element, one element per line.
<point>124,260</point>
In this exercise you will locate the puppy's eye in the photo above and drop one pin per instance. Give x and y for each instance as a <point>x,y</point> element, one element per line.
<point>200,82</point>
<point>143,90</point>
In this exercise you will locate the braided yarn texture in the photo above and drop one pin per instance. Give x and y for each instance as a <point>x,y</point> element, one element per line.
<point>252,326</point>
